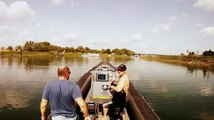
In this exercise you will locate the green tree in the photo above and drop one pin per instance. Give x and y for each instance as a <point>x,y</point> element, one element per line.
<point>18,47</point>
<point>46,46</point>
<point>208,53</point>
<point>80,49</point>
<point>54,48</point>
<point>115,51</point>
<point>129,53</point>
<point>106,51</point>
<point>69,49</point>
<point>87,50</point>
<point>10,47</point>
<point>42,46</point>
<point>29,46</point>
<point>123,51</point>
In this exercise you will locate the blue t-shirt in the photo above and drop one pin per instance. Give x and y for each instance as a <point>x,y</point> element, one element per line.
<point>61,95</point>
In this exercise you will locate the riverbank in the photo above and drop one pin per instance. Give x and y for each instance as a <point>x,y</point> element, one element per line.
<point>58,54</point>
<point>31,54</point>
<point>199,61</point>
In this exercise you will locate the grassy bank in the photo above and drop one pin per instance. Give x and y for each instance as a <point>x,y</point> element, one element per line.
<point>31,54</point>
<point>109,57</point>
<point>200,61</point>
<point>56,54</point>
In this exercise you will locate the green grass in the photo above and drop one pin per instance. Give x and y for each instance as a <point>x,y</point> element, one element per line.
<point>53,53</point>
<point>182,60</point>
<point>31,54</point>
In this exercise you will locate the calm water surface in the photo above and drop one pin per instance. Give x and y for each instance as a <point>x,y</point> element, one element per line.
<point>175,92</point>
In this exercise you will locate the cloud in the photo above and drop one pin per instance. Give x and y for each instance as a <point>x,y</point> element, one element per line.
<point>173,18</point>
<point>184,15</point>
<point>18,10</point>
<point>8,31</point>
<point>208,31</point>
<point>158,28</point>
<point>38,25</point>
<point>25,33</point>
<point>177,17</point>
<point>73,4</point>
<point>4,28</point>
<point>136,37</point>
<point>63,39</point>
<point>205,4</point>
<point>198,25</point>
<point>56,2</point>
<point>69,37</point>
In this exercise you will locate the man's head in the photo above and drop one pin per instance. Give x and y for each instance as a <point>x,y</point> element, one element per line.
<point>63,72</point>
<point>121,69</point>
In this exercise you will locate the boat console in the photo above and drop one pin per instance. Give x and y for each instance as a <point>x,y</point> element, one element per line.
<point>101,79</point>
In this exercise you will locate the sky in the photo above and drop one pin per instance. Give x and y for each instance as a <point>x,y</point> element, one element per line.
<point>145,26</point>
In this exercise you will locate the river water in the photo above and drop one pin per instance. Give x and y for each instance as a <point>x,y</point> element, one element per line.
<point>175,92</point>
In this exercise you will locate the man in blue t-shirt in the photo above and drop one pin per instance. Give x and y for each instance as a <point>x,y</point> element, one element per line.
<point>61,94</point>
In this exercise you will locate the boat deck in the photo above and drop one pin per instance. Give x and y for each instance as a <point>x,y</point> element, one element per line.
<point>137,108</point>
<point>99,113</point>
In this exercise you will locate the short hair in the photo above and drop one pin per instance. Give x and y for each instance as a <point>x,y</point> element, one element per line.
<point>62,70</point>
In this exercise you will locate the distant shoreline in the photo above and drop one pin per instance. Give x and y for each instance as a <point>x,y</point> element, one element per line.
<point>54,54</point>
<point>199,61</point>
<point>31,54</point>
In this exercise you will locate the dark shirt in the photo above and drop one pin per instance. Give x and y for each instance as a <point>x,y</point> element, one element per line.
<point>61,95</point>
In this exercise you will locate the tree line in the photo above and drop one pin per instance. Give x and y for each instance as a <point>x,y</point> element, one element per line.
<point>208,53</point>
<point>205,53</point>
<point>47,47</point>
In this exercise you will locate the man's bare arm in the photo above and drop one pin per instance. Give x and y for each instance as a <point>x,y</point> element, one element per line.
<point>43,108</point>
<point>83,107</point>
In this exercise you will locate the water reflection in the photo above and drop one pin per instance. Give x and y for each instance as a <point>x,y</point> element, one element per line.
<point>45,62</point>
<point>16,94</point>
<point>37,61</point>
<point>15,99</point>
<point>10,61</point>
<point>16,90</point>
<point>160,87</point>
<point>177,92</point>
<point>207,71</point>
<point>207,89</point>
<point>122,59</point>
<point>206,115</point>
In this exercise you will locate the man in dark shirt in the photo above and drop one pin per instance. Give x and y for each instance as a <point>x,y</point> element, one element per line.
<point>61,94</point>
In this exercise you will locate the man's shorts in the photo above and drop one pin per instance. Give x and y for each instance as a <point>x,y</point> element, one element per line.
<point>60,117</point>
